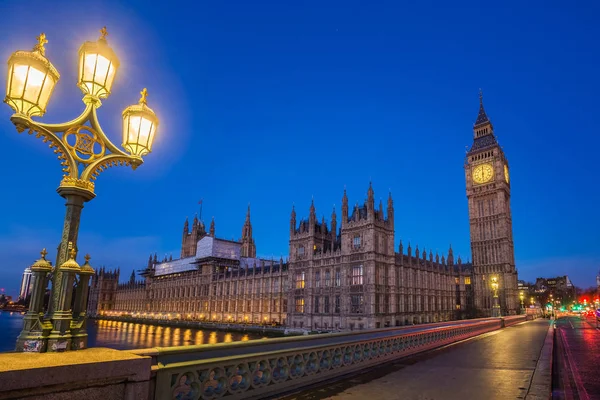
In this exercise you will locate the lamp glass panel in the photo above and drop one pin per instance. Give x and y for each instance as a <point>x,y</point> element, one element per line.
<point>46,91</point>
<point>19,76</point>
<point>138,134</point>
<point>97,74</point>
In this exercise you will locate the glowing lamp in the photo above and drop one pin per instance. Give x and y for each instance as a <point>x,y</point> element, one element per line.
<point>31,80</point>
<point>139,127</point>
<point>98,66</point>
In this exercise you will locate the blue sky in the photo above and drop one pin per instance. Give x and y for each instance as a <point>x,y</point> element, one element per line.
<point>272,102</point>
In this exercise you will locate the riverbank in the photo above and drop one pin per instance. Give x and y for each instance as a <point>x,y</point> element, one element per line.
<point>271,331</point>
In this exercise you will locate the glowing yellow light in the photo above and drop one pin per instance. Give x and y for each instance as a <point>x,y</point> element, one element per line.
<point>98,66</point>
<point>30,81</point>
<point>139,127</point>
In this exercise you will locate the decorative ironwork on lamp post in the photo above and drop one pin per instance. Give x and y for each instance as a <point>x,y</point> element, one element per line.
<point>84,151</point>
<point>496,307</point>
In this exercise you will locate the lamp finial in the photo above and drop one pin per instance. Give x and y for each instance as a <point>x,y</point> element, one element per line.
<point>43,253</point>
<point>87,258</point>
<point>144,94</point>
<point>103,33</point>
<point>39,47</point>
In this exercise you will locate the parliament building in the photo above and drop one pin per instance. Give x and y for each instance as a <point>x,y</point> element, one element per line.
<point>344,275</point>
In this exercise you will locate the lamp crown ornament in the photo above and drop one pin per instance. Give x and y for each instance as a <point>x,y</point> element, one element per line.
<point>43,253</point>
<point>103,33</point>
<point>144,94</point>
<point>87,258</point>
<point>39,47</point>
<point>72,253</point>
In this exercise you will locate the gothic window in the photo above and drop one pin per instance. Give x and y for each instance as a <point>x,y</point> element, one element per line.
<point>337,305</point>
<point>299,304</point>
<point>357,275</point>
<point>316,304</point>
<point>327,278</point>
<point>300,250</point>
<point>317,279</point>
<point>338,278</point>
<point>356,304</point>
<point>326,305</point>
<point>356,241</point>
<point>300,280</point>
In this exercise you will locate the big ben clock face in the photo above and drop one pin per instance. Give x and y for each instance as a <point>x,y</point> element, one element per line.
<point>506,173</point>
<point>483,173</point>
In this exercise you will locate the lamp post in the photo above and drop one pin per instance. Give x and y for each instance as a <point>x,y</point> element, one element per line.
<point>522,298</point>
<point>496,307</point>
<point>84,151</point>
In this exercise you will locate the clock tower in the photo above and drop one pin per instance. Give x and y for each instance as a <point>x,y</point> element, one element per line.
<point>488,194</point>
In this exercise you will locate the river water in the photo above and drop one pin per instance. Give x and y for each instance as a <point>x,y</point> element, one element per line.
<point>127,335</point>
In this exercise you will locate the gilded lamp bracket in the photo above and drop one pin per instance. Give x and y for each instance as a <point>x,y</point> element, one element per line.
<point>82,147</point>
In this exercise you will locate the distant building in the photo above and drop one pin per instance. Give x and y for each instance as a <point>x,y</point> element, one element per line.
<point>214,280</point>
<point>561,288</point>
<point>25,284</point>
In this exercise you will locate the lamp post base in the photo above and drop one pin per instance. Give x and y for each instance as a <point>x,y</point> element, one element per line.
<point>496,312</point>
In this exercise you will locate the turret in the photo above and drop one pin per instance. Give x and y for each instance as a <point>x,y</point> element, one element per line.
<point>312,218</point>
<point>293,222</point>
<point>212,227</point>
<point>450,256</point>
<point>248,247</point>
<point>344,209</point>
<point>390,210</point>
<point>333,225</point>
<point>150,261</point>
<point>400,246</point>
<point>186,227</point>
<point>381,216</point>
<point>370,202</point>
<point>132,277</point>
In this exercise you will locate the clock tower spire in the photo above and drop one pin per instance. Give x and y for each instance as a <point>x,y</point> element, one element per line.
<point>488,194</point>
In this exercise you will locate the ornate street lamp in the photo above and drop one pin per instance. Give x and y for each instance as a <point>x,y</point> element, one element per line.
<point>84,151</point>
<point>496,308</point>
<point>522,298</point>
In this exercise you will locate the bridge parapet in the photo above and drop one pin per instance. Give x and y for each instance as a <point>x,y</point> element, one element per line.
<point>256,369</point>
<point>513,319</point>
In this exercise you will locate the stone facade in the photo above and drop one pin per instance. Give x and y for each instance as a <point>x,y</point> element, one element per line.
<point>338,277</point>
<point>490,217</point>
<point>354,279</point>
<point>103,291</point>
<point>215,280</point>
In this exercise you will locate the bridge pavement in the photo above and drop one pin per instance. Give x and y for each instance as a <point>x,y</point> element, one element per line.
<point>495,365</point>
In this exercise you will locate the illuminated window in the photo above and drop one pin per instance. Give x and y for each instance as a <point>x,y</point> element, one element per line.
<point>458,306</point>
<point>356,241</point>
<point>300,280</point>
<point>467,280</point>
<point>457,280</point>
<point>299,304</point>
<point>357,275</point>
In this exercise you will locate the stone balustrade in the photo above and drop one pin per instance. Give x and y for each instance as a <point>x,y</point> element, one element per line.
<point>259,368</point>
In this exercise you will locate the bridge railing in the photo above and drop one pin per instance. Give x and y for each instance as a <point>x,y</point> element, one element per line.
<point>514,319</point>
<point>255,369</point>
